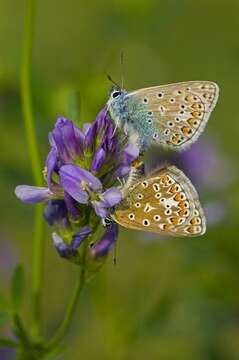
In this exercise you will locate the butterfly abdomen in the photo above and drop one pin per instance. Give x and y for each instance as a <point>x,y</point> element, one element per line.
<point>136,172</point>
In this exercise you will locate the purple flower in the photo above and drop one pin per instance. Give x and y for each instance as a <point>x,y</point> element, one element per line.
<point>80,236</point>
<point>56,212</point>
<point>80,172</point>
<point>67,165</point>
<point>85,187</point>
<point>70,251</point>
<point>62,248</point>
<point>129,154</point>
<point>107,199</point>
<point>98,159</point>
<point>32,194</point>
<point>75,181</point>
<point>106,243</point>
<point>67,140</point>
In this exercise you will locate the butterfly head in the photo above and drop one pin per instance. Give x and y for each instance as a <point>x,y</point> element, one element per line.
<point>117,105</point>
<point>115,91</point>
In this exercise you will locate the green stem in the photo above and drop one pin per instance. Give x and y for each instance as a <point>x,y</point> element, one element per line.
<point>69,312</point>
<point>34,160</point>
<point>37,270</point>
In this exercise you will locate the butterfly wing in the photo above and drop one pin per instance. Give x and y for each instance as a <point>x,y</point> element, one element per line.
<point>164,202</point>
<point>172,115</point>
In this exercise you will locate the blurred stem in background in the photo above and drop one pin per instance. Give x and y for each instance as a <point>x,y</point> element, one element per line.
<point>33,153</point>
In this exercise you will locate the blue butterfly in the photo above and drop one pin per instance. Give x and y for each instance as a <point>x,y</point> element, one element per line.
<point>172,116</point>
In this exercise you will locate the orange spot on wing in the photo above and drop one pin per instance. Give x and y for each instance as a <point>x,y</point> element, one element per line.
<point>183,212</point>
<point>186,130</point>
<point>183,204</point>
<point>190,229</point>
<point>189,98</point>
<point>173,188</point>
<point>175,220</point>
<point>175,138</point>
<point>195,221</point>
<point>197,114</point>
<point>197,106</point>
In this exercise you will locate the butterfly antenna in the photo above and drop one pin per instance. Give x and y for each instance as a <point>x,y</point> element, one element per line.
<point>122,68</point>
<point>111,80</point>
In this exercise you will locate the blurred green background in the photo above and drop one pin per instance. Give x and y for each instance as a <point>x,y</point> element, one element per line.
<point>171,300</point>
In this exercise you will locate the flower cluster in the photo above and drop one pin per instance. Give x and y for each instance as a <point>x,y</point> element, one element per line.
<point>80,173</point>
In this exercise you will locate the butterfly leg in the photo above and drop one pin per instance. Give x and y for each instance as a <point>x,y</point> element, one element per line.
<point>115,129</point>
<point>121,181</point>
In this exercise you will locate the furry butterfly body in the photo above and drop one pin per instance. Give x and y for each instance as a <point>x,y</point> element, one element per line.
<point>164,202</point>
<point>172,116</point>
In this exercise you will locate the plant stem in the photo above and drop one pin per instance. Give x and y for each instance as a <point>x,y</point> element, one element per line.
<point>37,270</point>
<point>26,93</point>
<point>69,312</point>
<point>35,162</point>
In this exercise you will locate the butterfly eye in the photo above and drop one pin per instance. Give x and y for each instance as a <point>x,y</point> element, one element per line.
<point>116,94</point>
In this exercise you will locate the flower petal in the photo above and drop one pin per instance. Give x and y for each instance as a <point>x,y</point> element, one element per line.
<point>132,151</point>
<point>111,197</point>
<point>32,194</point>
<point>90,136</point>
<point>57,141</point>
<point>80,236</point>
<point>122,171</point>
<point>71,205</point>
<point>50,165</point>
<point>55,213</point>
<point>106,243</point>
<point>100,208</point>
<point>62,249</point>
<point>71,183</point>
<point>101,119</point>
<point>98,159</point>
<point>78,175</point>
<point>86,127</point>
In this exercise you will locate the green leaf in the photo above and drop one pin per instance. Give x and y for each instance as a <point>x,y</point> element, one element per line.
<point>8,343</point>
<point>17,287</point>
<point>57,353</point>
<point>20,331</point>
<point>4,317</point>
<point>3,303</point>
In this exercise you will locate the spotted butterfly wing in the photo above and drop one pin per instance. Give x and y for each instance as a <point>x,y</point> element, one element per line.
<point>171,115</point>
<point>164,202</point>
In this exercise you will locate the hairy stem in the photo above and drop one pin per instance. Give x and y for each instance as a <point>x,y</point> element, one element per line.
<point>34,158</point>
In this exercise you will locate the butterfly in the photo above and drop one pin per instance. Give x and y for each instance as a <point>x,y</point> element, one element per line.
<point>172,116</point>
<point>164,202</point>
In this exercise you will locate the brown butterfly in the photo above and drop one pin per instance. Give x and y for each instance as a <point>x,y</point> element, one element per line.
<point>164,202</point>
